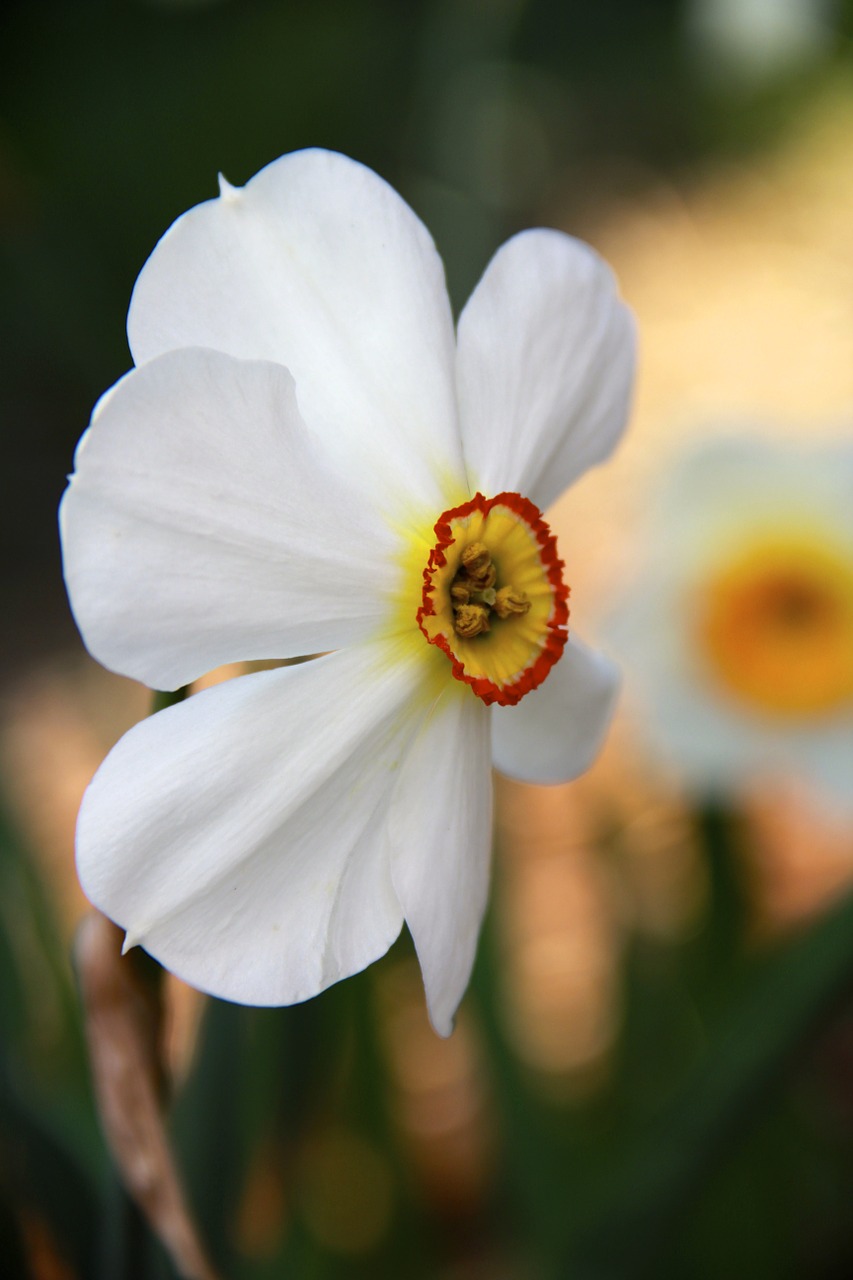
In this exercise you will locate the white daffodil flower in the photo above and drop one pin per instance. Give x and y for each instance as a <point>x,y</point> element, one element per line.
<point>305,459</point>
<point>739,632</point>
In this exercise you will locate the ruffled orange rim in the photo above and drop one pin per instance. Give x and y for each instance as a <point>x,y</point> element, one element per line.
<point>554,634</point>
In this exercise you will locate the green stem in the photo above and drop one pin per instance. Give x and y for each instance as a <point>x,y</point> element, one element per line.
<point>721,833</point>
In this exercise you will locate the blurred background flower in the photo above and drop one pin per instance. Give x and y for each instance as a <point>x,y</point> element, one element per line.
<point>652,1072</point>
<point>737,627</point>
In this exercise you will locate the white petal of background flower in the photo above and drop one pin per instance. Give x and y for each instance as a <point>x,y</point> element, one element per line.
<point>440,830</point>
<point>715,744</point>
<point>714,500</point>
<point>717,492</point>
<point>240,835</point>
<point>557,730</point>
<point>318,264</point>
<point>826,759</point>
<point>545,366</point>
<point>202,526</point>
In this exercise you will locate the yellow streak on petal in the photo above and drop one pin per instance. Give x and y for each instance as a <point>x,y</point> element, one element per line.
<point>416,540</point>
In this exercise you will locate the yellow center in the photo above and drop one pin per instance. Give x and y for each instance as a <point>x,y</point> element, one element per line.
<point>777,627</point>
<point>493,598</point>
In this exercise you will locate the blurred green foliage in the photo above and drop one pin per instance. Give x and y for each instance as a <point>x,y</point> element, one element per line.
<point>719,1143</point>
<point>115,117</point>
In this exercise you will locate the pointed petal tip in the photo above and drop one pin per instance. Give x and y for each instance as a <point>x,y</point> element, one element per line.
<point>132,938</point>
<point>227,192</point>
<point>440,831</point>
<point>200,875</point>
<point>269,270</point>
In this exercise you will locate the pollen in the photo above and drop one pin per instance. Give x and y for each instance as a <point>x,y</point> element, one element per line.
<point>494,599</point>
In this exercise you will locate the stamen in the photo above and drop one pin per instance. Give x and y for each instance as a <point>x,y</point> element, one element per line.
<point>471,620</point>
<point>473,595</point>
<point>509,601</point>
<point>475,558</point>
<point>477,567</point>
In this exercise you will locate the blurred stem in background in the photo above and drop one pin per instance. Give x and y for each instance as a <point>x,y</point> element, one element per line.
<point>772,1016</point>
<point>617,1202</point>
<point>726,934</point>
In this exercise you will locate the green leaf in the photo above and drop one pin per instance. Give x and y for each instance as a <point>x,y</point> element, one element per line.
<point>41,1177</point>
<point>783,1003</point>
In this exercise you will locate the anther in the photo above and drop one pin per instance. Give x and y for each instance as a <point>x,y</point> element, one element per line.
<point>471,620</point>
<point>508,601</point>
<point>485,579</point>
<point>477,570</point>
<point>476,558</point>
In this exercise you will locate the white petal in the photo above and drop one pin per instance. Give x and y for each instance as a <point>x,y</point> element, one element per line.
<point>557,730</point>
<point>318,264</point>
<point>240,836</point>
<point>441,836</point>
<point>825,757</point>
<point>545,367</point>
<point>202,526</point>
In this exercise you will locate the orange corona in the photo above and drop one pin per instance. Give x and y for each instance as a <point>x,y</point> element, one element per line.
<point>494,599</point>
<point>777,627</point>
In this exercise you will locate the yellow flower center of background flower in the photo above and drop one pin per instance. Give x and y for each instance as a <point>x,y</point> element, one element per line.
<point>494,599</point>
<point>777,627</point>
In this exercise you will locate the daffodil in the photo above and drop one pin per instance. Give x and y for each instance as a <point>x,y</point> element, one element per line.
<point>307,459</point>
<point>739,631</point>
